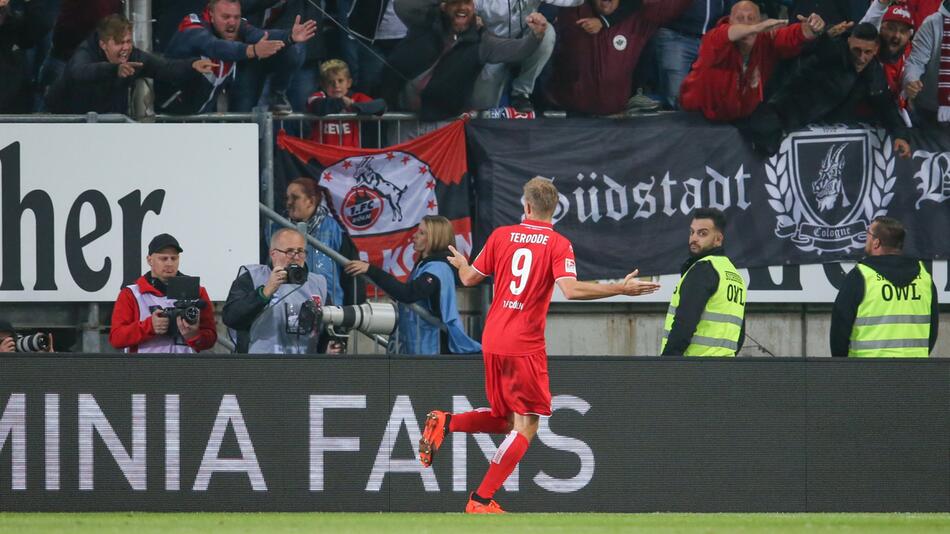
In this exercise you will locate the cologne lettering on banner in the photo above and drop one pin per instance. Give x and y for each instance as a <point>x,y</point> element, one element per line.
<point>626,201</point>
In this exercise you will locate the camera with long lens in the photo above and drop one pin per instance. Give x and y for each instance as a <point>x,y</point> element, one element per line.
<point>188,304</point>
<point>370,318</point>
<point>296,274</point>
<point>38,342</point>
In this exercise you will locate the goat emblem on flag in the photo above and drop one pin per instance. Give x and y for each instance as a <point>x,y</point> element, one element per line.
<point>380,192</point>
<point>381,195</point>
<point>827,184</point>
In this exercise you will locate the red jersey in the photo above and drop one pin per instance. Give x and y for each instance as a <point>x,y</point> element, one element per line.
<point>895,74</point>
<point>525,260</point>
<point>340,133</point>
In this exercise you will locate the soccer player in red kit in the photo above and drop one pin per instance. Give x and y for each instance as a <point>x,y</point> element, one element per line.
<point>525,260</point>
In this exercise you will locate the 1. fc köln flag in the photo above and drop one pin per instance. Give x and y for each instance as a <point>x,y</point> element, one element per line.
<point>380,196</point>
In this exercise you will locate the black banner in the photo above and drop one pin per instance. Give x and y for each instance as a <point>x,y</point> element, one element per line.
<point>89,432</point>
<point>628,188</point>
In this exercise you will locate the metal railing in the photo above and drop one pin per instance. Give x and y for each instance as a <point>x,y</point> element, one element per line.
<point>45,118</point>
<point>386,125</point>
<point>296,124</point>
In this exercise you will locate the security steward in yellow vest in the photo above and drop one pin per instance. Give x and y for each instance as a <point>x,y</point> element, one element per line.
<point>887,306</point>
<point>707,312</point>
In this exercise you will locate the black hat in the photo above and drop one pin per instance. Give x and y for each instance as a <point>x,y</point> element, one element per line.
<point>5,326</point>
<point>163,241</point>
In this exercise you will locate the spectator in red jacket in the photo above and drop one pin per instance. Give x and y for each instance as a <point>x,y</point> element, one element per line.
<point>593,71</point>
<point>737,58</point>
<point>336,96</point>
<point>138,322</point>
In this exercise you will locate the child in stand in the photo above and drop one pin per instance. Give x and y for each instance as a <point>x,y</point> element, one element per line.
<point>336,96</point>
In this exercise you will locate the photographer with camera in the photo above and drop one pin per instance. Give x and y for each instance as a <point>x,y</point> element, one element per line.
<point>10,341</point>
<point>432,284</point>
<point>277,310</point>
<point>145,317</point>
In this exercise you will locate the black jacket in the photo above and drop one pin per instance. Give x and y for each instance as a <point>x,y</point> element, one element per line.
<point>317,47</point>
<point>91,83</point>
<point>366,17</point>
<point>827,88</point>
<point>695,291</point>
<point>18,32</point>
<point>426,287</point>
<point>244,304</point>
<point>831,11</point>
<point>898,270</point>
<point>454,70</point>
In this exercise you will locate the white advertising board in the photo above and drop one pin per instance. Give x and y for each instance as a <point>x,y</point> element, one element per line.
<point>79,204</point>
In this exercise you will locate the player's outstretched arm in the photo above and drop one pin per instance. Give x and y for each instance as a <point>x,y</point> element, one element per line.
<point>467,274</point>
<point>575,289</point>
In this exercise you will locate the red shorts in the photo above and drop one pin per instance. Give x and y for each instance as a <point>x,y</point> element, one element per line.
<point>517,384</point>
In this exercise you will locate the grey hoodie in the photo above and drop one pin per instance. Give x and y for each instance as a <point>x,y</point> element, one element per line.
<point>505,18</point>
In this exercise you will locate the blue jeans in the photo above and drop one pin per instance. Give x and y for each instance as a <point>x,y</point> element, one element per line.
<point>303,84</point>
<point>491,81</point>
<point>251,75</point>
<point>675,54</point>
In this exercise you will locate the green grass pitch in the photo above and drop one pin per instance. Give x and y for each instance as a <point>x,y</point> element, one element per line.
<point>416,523</point>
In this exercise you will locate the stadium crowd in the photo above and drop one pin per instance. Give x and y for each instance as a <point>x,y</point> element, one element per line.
<point>769,66</point>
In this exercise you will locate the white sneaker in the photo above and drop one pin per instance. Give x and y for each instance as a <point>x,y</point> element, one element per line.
<point>641,102</point>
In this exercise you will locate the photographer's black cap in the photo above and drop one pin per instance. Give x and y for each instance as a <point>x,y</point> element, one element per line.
<point>163,241</point>
<point>6,327</point>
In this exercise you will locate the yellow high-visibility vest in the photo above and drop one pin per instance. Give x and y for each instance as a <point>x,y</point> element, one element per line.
<point>892,322</point>
<point>717,333</point>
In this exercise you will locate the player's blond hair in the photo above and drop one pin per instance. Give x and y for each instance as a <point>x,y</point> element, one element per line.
<point>332,67</point>
<point>440,233</point>
<point>541,194</point>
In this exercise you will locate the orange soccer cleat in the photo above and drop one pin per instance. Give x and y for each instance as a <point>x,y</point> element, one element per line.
<point>437,423</point>
<point>475,507</point>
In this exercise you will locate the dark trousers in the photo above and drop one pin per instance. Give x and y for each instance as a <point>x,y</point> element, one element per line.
<point>252,74</point>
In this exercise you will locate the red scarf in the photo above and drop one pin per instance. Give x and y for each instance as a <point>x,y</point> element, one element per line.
<point>943,85</point>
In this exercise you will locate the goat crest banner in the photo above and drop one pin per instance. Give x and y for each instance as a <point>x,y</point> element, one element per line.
<point>380,196</point>
<point>628,188</point>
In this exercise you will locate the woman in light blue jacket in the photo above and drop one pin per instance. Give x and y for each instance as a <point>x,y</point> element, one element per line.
<point>431,284</point>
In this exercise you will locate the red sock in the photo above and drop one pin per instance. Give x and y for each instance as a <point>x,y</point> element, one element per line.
<point>503,463</point>
<point>478,421</point>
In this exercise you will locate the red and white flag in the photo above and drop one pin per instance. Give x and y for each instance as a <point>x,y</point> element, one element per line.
<point>380,196</point>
